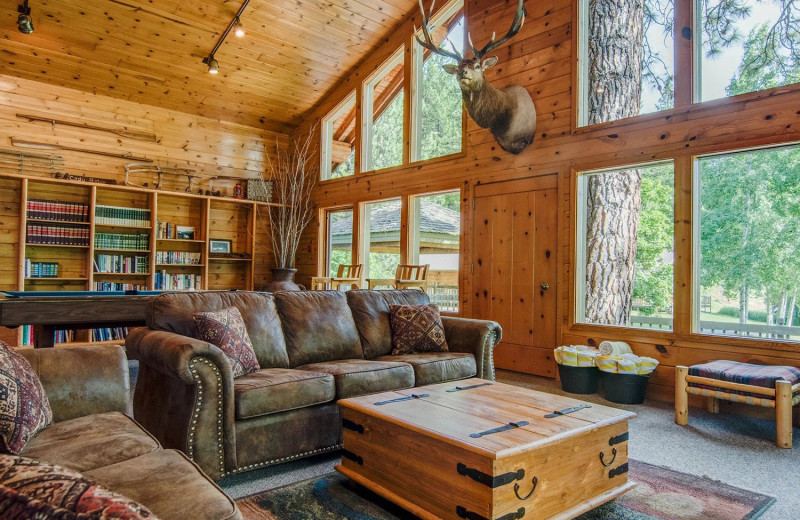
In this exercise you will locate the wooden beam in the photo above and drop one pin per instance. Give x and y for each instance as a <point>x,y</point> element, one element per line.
<point>122,132</point>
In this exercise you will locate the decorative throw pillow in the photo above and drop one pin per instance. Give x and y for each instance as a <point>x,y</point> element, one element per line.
<point>416,329</point>
<point>24,408</point>
<point>226,329</point>
<point>33,489</point>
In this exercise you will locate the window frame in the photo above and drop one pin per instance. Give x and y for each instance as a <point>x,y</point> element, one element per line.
<point>327,237</point>
<point>367,108</point>
<point>326,147</point>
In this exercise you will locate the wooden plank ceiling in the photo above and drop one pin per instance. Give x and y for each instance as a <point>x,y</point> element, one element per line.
<point>151,51</point>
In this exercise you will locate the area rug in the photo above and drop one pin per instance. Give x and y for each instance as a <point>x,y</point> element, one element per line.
<point>661,494</point>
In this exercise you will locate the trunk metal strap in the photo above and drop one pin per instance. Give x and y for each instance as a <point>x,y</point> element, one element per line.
<point>462,512</point>
<point>619,470</point>
<point>509,426</point>
<point>489,480</point>
<point>459,388</point>
<point>407,398</point>
<point>565,411</point>
<point>619,438</point>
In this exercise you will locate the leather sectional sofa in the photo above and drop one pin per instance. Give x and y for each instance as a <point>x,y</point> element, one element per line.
<point>314,347</point>
<point>89,392</point>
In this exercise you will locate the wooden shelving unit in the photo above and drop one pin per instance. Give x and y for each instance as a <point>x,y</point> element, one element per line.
<point>210,218</point>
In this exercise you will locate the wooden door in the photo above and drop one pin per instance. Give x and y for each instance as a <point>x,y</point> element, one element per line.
<point>515,242</point>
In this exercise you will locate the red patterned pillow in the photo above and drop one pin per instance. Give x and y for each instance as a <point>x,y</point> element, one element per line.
<point>226,329</point>
<point>24,408</point>
<point>416,329</point>
<point>32,489</point>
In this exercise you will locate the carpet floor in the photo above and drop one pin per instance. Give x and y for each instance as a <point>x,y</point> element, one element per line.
<point>734,449</point>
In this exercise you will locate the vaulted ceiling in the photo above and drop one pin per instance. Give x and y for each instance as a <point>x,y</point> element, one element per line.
<point>151,51</point>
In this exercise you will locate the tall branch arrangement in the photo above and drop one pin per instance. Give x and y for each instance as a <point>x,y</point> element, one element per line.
<point>294,173</point>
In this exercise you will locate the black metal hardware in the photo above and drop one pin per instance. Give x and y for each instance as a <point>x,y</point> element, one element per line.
<point>407,398</point>
<point>526,497</point>
<point>462,512</point>
<point>352,456</point>
<point>350,425</point>
<point>613,458</point>
<point>470,387</point>
<point>509,426</point>
<point>565,411</point>
<point>489,480</point>
<point>618,471</point>
<point>619,438</point>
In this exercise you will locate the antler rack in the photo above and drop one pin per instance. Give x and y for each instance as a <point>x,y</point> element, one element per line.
<point>516,25</point>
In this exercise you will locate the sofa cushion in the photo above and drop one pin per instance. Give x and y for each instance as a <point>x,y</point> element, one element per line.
<point>170,485</point>
<point>24,408</point>
<point>437,367</point>
<point>33,489</point>
<point>91,441</point>
<point>226,330</point>
<point>173,312</point>
<point>278,389</point>
<point>416,329</point>
<point>318,326</point>
<point>371,314</point>
<point>359,376</point>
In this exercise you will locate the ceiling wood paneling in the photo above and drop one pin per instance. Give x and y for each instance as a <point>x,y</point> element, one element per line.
<point>151,52</point>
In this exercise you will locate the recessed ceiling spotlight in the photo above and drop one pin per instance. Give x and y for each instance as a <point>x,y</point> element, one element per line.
<point>24,22</point>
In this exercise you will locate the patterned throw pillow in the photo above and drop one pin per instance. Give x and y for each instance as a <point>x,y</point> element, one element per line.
<point>416,329</point>
<point>32,489</point>
<point>24,408</point>
<point>226,329</point>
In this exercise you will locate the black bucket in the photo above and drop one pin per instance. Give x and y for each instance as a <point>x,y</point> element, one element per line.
<point>624,388</point>
<point>579,380</point>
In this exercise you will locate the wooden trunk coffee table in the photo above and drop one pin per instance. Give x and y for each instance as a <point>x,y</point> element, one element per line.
<point>477,450</point>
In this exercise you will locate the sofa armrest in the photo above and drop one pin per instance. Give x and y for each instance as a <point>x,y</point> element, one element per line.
<point>82,380</point>
<point>184,397</point>
<point>476,337</point>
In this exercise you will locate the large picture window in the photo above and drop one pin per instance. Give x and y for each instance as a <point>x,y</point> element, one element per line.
<point>435,241</point>
<point>339,241</point>
<point>382,238</point>
<point>625,247</point>
<point>383,117</point>
<point>437,117</point>
<point>338,140</point>
<point>747,240</point>
<point>626,59</point>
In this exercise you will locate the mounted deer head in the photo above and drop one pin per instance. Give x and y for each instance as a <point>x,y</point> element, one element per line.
<point>508,112</point>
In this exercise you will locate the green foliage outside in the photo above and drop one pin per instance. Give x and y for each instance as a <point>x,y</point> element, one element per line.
<point>441,110</point>
<point>387,136</point>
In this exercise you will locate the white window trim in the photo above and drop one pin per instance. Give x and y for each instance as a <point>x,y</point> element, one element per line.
<point>583,65</point>
<point>326,149</point>
<point>367,106</point>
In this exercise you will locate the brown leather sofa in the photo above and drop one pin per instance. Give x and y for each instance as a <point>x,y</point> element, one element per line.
<point>314,347</point>
<point>89,391</point>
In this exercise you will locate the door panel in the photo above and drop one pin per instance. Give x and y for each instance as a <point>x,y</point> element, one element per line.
<point>515,243</point>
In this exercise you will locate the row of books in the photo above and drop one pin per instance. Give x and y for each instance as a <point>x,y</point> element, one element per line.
<point>121,264</point>
<point>121,216</point>
<point>57,234</point>
<point>64,336</point>
<point>121,241</point>
<point>177,257</point>
<point>177,282</point>
<point>40,269</point>
<point>109,333</point>
<point>42,209</point>
<point>111,286</point>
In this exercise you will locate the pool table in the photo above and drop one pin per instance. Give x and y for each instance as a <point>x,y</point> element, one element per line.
<point>48,311</point>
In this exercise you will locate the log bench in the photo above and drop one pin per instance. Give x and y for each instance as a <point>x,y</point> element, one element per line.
<point>760,385</point>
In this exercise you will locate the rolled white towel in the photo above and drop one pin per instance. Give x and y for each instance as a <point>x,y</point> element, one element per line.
<point>607,363</point>
<point>627,366</point>
<point>569,356</point>
<point>581,348</point>
<point>615,348</point>
<point>630,355</point>
<point>586,358</point>
<point>647,365</point>
<point>557,355</point>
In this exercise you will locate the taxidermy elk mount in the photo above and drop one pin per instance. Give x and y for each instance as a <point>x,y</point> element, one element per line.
<point>508,112</point>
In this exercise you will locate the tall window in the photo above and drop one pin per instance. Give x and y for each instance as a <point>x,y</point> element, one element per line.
<point>745,46</point>
<point>338,140</point>
<point>626,59</point>
<point>382,238</point>
<point>339,240</point>
<point>747,238</point>
<point>437,117</point>
<point>435,240</point>
<point>382,115</point>
<point>626,246</point>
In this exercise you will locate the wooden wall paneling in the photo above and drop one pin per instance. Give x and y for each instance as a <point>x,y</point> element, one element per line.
<point>12,235</point>
<point>481,258</point>
<point>90,271</point>
<point>545,268</point>
<point>683,276</point>
<point>523,206</point>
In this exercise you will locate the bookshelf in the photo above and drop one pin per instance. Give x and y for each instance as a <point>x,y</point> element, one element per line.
<point>67,235</point>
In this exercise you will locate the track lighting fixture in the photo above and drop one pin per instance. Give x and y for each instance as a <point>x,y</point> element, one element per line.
<point>238,30</point>
<point>24,22</point>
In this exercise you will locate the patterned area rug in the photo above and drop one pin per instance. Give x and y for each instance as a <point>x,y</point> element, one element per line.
<point>661,494</point>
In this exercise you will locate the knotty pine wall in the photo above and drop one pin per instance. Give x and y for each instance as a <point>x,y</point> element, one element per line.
<point>542,58</point>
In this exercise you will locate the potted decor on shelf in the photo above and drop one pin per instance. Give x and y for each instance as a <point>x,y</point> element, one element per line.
<point>293,172</point>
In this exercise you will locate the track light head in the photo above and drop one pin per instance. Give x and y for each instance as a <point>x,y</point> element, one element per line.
<point>24,22</point>
<point>213,65</point>
<point>238,28</point>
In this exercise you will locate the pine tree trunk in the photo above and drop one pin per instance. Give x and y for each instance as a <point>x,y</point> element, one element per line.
<point>744,300</point>
<point>614,198</point>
